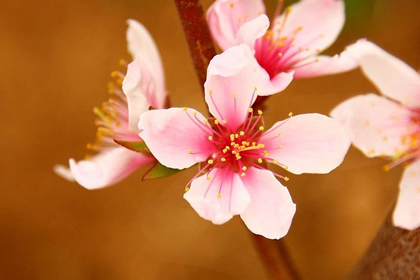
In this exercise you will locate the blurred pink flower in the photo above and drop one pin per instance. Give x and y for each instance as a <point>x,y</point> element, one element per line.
<point>391,129</point>
<point>143,86</point>
<point>290,48</point>
<point>234,149</point>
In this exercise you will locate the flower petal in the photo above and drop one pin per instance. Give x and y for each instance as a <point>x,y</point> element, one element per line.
<point>252,30</point>
<point>277,84</point>
<point>271,210</point>
<point>231,86</point>
<point>177,137</point>
<point>392,76</point>
<point>136,87</point>
<point>225,17</point>
<point>107,168</point>
<point>141,45</point>
<point>407,211</point>
<point>325,65</point>
<point>64,172</point>
<point>308,143</point>
<point>205,199</point>
<point>376,124</point>
<point>314,24</point>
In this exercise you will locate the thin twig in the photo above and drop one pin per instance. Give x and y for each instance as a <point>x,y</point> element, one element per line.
<point>274,254</point>
<point>197,34</point>
<point>394,254</point>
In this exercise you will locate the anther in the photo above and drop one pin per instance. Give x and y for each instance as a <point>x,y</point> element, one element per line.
<point>261,128</point>
<point>224,121</point>
<point>223,159</point>
<point>260,160</point>
<point>233,95</point>
<point>244,168</point>
<point>236,135</point>
<point>243,174</point>
<point>185,109</point>
<point>286,179</point>
<point>232,137</point>
<point>241,133</point>
<point>187,189</point>
<point>209,178</point>
<point>250,110</point>
<point>291,114</point>
<point>216,121</point>
<point>278,133</point>
<point>210,92</point>
<point>260,112</point>
<point>189,151</point>
<point>281,147</point>
<point>210,161</point>
<point>211,138</point>
<point>219,195</point>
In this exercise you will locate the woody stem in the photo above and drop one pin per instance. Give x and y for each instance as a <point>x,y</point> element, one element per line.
<point>273,253</point>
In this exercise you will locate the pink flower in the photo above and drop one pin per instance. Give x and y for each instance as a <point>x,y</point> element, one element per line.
<point>290,48</point>
<point>142,87</point>
<point>234,149</point>
<point>391,129</point>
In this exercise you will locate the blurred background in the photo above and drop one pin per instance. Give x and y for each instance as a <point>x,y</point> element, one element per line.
<point>57,57</point>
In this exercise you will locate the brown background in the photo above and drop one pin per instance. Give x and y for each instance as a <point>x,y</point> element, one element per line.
<point>56,57</point>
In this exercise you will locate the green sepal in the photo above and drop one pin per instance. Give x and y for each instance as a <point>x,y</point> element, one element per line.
<point>159,171</point>
<point>138,146</point>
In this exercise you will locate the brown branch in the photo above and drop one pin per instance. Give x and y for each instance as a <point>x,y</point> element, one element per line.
<point>394,254</point>
<point>200,43</point>
<point>277,259</point>
<point>197,34</point>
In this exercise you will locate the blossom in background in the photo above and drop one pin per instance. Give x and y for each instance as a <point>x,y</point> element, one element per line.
<point>388,126</point>
<point>143,86</point>
<point>290,47</point>
<point>234,149</point>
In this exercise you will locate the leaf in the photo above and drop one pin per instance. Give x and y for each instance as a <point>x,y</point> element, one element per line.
<point>159,171</point>
<point>138,146</point>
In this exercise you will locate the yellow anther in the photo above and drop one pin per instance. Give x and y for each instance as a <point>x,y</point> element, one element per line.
<point>239,20</point>
<point>123,62</point>
<point>260,160</point>
<point>211,138</point>
<point>281,147</point>
<point>223,159</point>
<point>187,189</point>
<point>261,146</point>
<point>233,95</point>
<point>210,161</point>
<point>243,174</point>
<point>241,133</point>
<point>238,157</point>
<point>232,137</point>
<point>266,153</point>
<point>280,55</point>
<point>291,114</point>
<point>367,122</point>
<point>286,179</point>
<point>115,74</point>
<point>244,168</point>
<point>255,88</point>
<point>275,161</point>
<point>208,178</point>
<point>386,167</point>
<point>298,29</point>
<point>219,195</point>
<point>253,143</point>
<point>227,148</point>
<point>250,110</point>
<point>206,121</point>
<point>185,109</point>
<point>189,151</point>
<point>210,92</point>
<point>278,133</point>
<point>232,5</point>
<point>195,113</point>
<point>216,121</point>
<point>236,135</point>
<point>261,128</point>
<point>232,143</point>
<point>224,121</point>
<point>260,112</point>
<point>286,167</point>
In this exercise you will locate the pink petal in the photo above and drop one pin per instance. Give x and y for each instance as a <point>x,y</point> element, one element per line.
<point>407,211</point>
<point>377,125</point>
<point>108,167</point>
<point>203,196</point>
<point>177,138</point>
<point>64,172</point>
<point>320,22</point>
<point>325,65</point>
<point>309,143</point>
<point>252,30</point>
<point>135,87</point>
<point>277,84</point>
<point>141,45</point>
<point>271,210</point>
<point>225,17</point>
<point>392,76</point>
<point>231,86</point>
